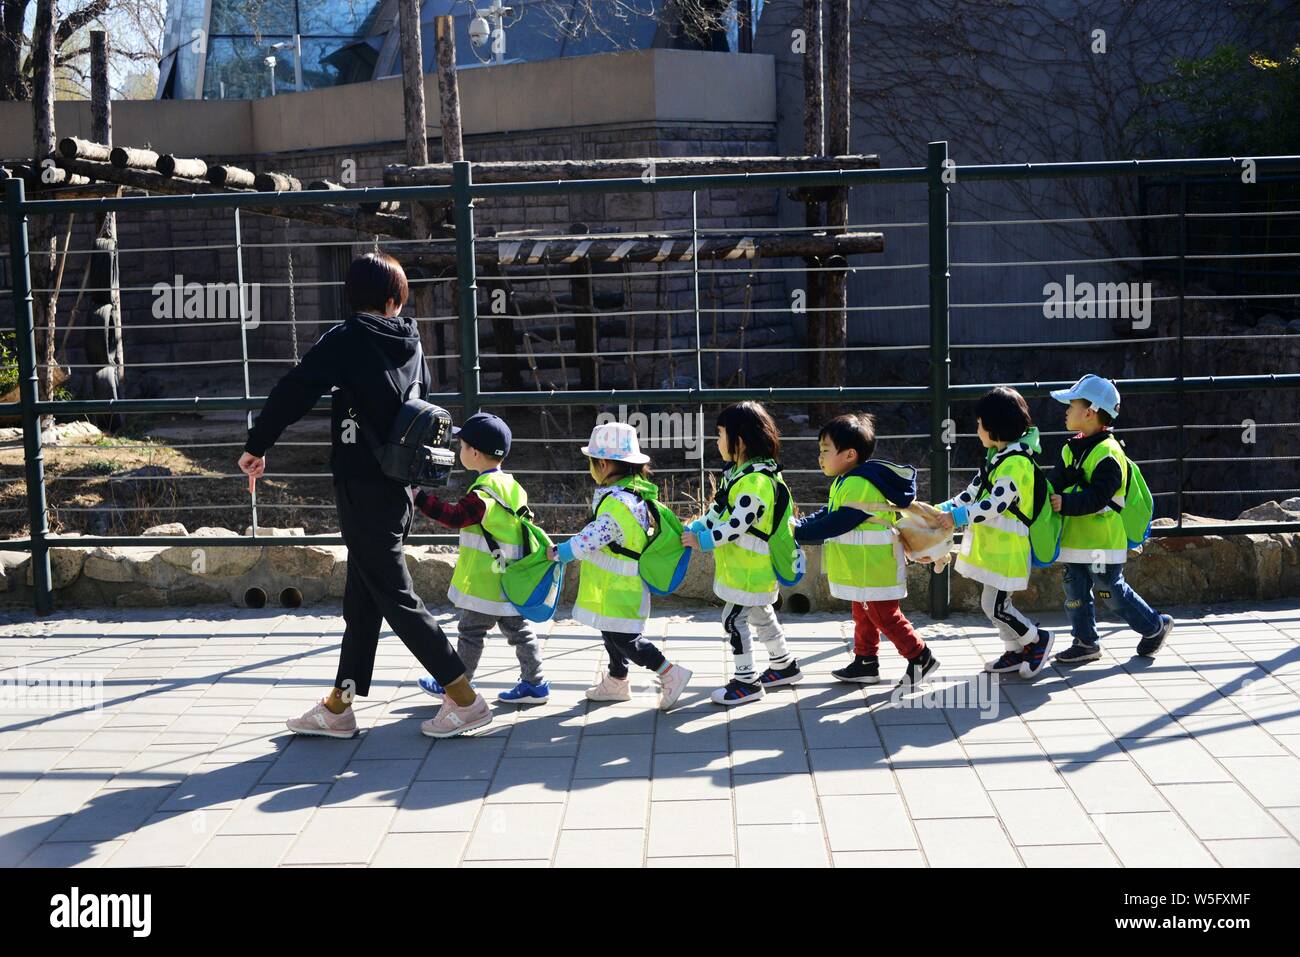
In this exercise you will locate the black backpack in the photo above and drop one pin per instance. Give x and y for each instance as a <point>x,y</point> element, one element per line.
<point>417,450</point>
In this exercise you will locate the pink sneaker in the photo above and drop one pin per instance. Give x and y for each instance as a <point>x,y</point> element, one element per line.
<point>323,722</point>
<point>610,689</point>
<point>671,685</point>
<point>452,719</point>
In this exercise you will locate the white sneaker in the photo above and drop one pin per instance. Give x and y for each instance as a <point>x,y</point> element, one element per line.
<point>610,689</point>
<point>672,683</point>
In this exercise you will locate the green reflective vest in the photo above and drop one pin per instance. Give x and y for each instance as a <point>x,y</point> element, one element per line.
<point>1098,538</point>
<point>867,563</point>
<point>743,568</point>
<point>476,580</point>
<point>611,593</point>
<point>995,550</point>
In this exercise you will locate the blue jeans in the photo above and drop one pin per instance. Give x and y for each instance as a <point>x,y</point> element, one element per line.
<point>1111,588</point>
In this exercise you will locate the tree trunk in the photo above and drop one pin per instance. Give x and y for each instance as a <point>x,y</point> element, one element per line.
<point>813,145</point>
<point>417,150</point>
<point>837,209</point>
<point>43,144</point>
<point>101,130</point>
<point>11,34</point>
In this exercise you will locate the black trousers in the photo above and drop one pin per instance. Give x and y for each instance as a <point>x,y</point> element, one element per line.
<point>623,648</point>
<point>375,517</point>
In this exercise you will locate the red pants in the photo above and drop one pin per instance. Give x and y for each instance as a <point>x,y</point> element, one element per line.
<point>872,617</point>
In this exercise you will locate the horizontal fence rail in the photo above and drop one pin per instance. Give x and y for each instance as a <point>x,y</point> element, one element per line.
<point>939,176</point>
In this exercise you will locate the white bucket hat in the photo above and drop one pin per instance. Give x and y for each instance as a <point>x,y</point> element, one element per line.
<point>617,441</point>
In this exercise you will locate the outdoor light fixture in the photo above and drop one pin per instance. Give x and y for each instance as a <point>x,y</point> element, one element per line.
<point>489,25</point>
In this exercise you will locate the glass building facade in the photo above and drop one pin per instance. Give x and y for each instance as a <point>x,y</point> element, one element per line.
<point>217,49</point>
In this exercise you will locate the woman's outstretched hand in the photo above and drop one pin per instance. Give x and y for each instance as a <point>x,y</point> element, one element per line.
<point>253,466</point>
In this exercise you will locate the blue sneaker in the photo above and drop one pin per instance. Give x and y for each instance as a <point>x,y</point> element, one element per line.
<point>429,685</point>
<point>527,693</point>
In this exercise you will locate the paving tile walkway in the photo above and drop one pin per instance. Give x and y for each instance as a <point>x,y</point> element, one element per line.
<point>1192,758</point>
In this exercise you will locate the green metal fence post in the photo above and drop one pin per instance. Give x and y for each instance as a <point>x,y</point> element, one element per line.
<point>467,280</point>
<point>940,358</point>
<point>29,391</point>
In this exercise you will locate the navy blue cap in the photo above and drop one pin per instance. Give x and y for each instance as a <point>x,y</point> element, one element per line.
<point>487,433</point>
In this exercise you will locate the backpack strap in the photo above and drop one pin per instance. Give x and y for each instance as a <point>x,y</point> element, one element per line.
<point>403,395</point>
<point>523,511</point>
<point>986,485</point>
<point>618,548</point>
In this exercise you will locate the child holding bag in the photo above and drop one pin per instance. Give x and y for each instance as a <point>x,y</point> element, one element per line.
<point>995,550</point>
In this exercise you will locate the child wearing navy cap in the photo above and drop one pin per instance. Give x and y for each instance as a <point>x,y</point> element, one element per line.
<point>493,502</point>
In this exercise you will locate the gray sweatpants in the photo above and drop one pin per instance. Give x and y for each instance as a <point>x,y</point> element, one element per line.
<point>473,628</point>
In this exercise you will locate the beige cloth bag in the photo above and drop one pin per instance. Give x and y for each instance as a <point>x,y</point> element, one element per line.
<point>925,539</point>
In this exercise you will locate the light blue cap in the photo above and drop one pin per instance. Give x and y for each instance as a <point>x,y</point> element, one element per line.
<point>1098,392</point>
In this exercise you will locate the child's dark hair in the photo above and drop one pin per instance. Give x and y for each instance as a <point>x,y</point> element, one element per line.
<point>1104,417</point>
<point>750,423</point>
<point>853,430</point>
<point>1004,414</point>
<point>372,280</point>
<point>621,470</point>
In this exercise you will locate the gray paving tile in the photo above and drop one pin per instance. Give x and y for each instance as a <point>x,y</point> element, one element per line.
<point>607,804</point>
<point>852,771</point>
<point>341,835</point>
<point>1215,811</point>
<point>1256,852</point>
<point>768,752</point>
<point>1152,839</point>
<point>275,809</point>
<point>614,756</point>
<point>441,849</point>
<point>440,806</point>
<point>606,848</point>
<point>690,828</point>
<point>870,822</point>
<point>782,845</point>
<point>976,842</point>
<point>509,832</point>
<point>787,799</point>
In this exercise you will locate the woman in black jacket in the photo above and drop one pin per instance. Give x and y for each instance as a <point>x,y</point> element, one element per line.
<point>366,361</point>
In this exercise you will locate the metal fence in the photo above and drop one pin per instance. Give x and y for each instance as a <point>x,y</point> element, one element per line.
<point>938,178</point>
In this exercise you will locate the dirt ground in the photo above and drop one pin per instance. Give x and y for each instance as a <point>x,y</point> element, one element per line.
<point>89,490</point>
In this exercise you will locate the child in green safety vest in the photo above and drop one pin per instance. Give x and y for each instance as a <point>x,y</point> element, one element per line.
<point>995,549</point>
<point>490,536</point>
<point>861,552</point>
<point>738,528</point>
<point>612,596</point>
<point>1093,478</point>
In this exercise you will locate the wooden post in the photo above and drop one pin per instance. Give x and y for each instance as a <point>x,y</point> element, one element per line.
<point>417,147</point>
<point>813,145</point>
<point>101,131</point>
<point>43,144</point>
<point>837,208</point>
<point>453,148</point>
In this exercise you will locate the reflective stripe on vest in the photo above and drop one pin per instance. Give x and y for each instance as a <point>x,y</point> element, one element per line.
<point>479,543</point>
<point>864,538</point>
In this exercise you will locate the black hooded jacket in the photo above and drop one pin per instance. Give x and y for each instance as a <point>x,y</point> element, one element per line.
<point>358,359</point>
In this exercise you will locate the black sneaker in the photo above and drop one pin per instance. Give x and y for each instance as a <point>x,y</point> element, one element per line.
<point>918,669</point>
<point>863,670</point>
<point>1035,655</point>
<point>1010,661</point>
<point>1149,645</point>
<point>772,678</point>
<point>1078,653</point>
<point>737,692</point>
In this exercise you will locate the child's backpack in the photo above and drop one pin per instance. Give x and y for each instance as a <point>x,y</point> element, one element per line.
<point>664,560</point>
<point>1139,506</point>
<point>532,582</point>
<point>1044,524</point>
<point>788,563</point>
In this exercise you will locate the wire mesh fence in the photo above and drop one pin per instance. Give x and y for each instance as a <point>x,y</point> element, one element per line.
<point>650,330</point>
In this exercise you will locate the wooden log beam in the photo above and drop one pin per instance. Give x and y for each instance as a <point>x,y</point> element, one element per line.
<point>342,217</point>
<point>170,165</point>
<point>73,147</point>
<point>439,174</point>
<point>276,183</point>
<point>647,248</point>
<point>232,176</point>
<point>129,157</point>
<point>389,206</point>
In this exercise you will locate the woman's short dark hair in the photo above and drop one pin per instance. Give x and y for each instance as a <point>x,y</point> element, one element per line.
<point>1004,414</point>
<point>750,423</point>
<point>852,430</point>
<point>373,279</point>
